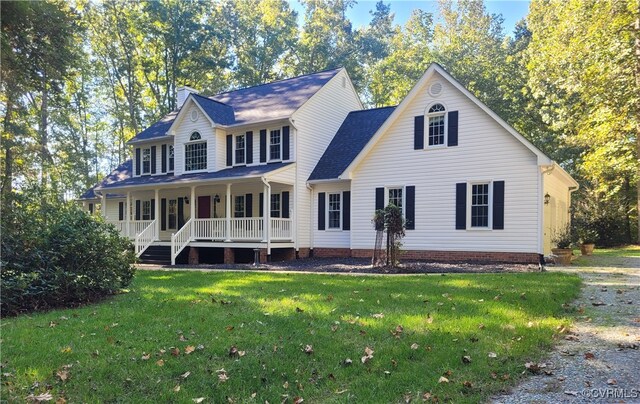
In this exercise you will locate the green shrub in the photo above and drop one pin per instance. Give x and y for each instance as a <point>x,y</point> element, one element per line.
<point>55,255</point>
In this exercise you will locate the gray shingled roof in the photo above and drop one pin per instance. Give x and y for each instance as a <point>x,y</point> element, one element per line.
<point>234,172</point>
<point>276,100</point>
<point>354,133</point>
<point>121,173</point>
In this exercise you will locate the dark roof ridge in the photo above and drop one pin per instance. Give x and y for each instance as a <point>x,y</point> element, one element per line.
<point>275,81</point>
<point>372,109</point>
<point>210,99</point>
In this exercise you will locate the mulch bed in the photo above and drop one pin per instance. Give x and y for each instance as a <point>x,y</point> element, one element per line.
<point>363,265</point>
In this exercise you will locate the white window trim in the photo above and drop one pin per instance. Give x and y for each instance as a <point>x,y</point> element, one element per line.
<point>169,169</point>
<point>327,204</point>
<point>204,170</point>
<point>235,137</point>
<point>142,151</point>
<point>470,184</point>
<point>427,115</point>
<point>404,197</point>
<point>269,159</point>
<point>145,203</point>
<point>279,205</point>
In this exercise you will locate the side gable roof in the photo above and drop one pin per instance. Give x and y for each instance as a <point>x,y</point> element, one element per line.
<point>122,172</point>
<point>433,68</point>
<point>354,133</point>
<point>265,102</point>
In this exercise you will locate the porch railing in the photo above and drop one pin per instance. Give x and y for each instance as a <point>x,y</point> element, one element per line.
<point>280,229</point>
<point>249,228</point>
<point>209,229</point>
<point>180,239</point>
<point>147,236</point>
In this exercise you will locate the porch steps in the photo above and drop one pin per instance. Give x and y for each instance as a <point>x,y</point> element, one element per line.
<point>156,254</point>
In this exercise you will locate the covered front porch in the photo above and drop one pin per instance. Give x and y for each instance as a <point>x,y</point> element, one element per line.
<point>247,213</point>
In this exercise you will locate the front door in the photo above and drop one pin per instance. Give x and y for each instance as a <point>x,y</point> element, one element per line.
<point>204,207</point>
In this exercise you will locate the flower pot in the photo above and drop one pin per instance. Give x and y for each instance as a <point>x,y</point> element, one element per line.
<point>587,248</point>
<point>562,256</point>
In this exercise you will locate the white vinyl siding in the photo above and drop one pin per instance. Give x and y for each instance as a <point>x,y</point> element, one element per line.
<point>330,238</point>
<point>316,122</point>
<point>486,151</point>
<point>556,212</point>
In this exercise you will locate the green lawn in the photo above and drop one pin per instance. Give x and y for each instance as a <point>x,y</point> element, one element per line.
<point>606,257</point>
<point>101,350</point>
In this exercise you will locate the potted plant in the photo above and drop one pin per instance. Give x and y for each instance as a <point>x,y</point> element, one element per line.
<point>563,251</point>
<point>588,236</point>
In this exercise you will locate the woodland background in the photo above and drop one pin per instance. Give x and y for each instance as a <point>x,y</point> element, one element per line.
<point>81,78</point>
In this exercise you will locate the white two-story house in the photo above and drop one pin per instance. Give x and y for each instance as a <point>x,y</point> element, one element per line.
<point>297,167</point>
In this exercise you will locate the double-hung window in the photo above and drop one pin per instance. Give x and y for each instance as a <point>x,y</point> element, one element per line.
<point>480,205</point>
<point>172,214</point>
<point>395,197</point>
<point>275,145</point>
<point>275,205</point>
<point>333,211</point>
<point>240,149</point>
<point>146,161</point>
<point>437,128</point>
<point>146,210</point>
<point>171,153</point>
<point>195,153</point>
<point>238,206</point>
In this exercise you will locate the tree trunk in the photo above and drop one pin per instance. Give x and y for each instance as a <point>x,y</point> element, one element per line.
<point>44,137</point>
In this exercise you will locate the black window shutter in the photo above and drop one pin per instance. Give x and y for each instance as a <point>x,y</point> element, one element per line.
<point>163,160</point>
<point>153,159</point>
<point>153,209</point>
<point>321,208</point>
<point>229,150</point>
<point>137,209</point>
<point>248,205</point>
<point>461,206</point>
<point>379,198</point>
<point>410,209</point>
<point>418,132</point>
<point>163,214</point>
<point>249,147</point>
<point>285,143</point>
<point>285,205</point>
<point>180,213</point>
<point>263,145</point>
<point>120,211</point>
<point>137,161</point>
<point>346,210</point>
<point>261,207</point>
<point>91,208</point>
<point>452,130</point>
<point>498,205</point>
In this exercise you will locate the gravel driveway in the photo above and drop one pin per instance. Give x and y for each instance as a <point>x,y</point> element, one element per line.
<point>599,359</point>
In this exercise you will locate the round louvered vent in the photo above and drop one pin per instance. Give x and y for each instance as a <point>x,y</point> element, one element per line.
<point>194,115</point>
<point>435,89</point>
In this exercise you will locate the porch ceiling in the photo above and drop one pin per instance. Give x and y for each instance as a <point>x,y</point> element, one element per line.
<point>235,174</point>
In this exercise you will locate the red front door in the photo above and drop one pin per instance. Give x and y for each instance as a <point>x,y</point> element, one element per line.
<point>204,207</point>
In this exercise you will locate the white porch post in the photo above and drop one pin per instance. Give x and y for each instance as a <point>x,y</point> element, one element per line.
<point>227,230</point>
<point>103,205</point>
<point>158,213</point>
<point>193,207</point>
<point>266,212</point>
<point>127,213</point>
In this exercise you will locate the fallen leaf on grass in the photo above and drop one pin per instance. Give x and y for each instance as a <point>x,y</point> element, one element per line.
<point>466,359</point>
<point>334,328</point>
<point>160,362</point>
<point>222,375</point>
<point>467,384</point>
<point>66,349</point>
<point>481,326</point>
<point>589,356</point>
<point>492,355</point>
<point>398,331</point>
<point>347,362</point>
<point>229,328</point>
<point>443,379</point>
<point>40,397</point>
<point>145,357</point>
<point>52,324</point>
<point>378,315</point>
<point>175,351</point>
<point>182,338</point>
<point>414,346</point>
<point>176,388</point>
<point>198,400</point>
<point>188,349</point>
<point>308,349</point>
<point>368,355</point>
<point>185,375</point>
<point>63,375</point>
<point>285,385</point>
<point>298,400</point>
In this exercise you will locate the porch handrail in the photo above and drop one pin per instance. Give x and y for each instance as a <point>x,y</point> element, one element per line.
<point>280,229</point>
<point>180,239</point>
<point>145,238</point>
<point>137,226</point>
<point>209,229</point>
<point>248,228</point>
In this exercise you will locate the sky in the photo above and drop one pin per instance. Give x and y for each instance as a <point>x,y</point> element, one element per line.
<point>512,11</point>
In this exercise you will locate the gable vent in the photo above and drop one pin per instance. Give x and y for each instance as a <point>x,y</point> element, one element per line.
<point>194,115</point>
<point>435,89</point>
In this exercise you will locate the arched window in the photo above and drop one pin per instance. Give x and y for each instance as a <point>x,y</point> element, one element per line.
<point>195,153</point>
<point>437,130</point>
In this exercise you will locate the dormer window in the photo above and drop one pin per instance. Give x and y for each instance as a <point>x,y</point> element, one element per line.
<point>437,127</point>
<point>275,145</point>
<point>146,161</point>
<point>195,153</point>
<point>171,158</point>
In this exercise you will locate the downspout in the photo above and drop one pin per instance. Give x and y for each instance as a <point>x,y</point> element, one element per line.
<point>267,214</point>
<point>295,226</point>
<point>545,170</point>
<point>310,188</point>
